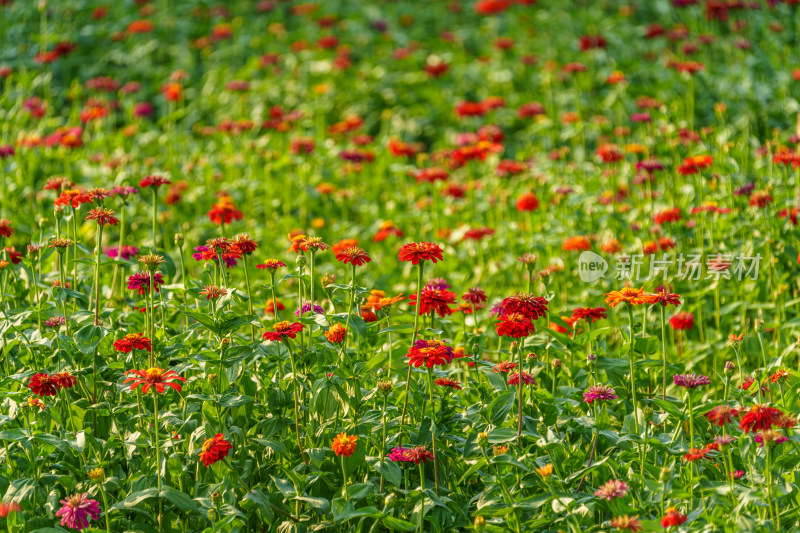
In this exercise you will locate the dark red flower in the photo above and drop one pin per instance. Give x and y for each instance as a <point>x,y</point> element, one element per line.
<point>283,330</point>
<point>514,325</point>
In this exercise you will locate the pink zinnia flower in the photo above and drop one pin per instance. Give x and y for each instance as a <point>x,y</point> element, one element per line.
<point>612,489</point>
<point>77,510</point>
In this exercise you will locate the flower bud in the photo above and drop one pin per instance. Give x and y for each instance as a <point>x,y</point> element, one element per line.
<point>479,524</point>
<point>385,386</point>
<point>300,261</point>
<point>556,364</point>
<point>215,498</point>
<point>483,439</point>
<point>97,475</point>
<point>212,379</point>
<point>729,367</point>
<point>179,239</point>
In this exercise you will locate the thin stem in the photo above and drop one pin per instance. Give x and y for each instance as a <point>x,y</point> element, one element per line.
<point>413,340</point>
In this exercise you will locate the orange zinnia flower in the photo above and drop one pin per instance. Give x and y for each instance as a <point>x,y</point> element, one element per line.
<point>344,444</point>
<point>630,295</point>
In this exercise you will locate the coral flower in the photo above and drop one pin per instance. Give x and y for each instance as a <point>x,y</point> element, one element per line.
<point>578,242</point>
<point>224,212</point>
<point>673,517</point>
<point>132,341</point>
<point>283,330</point>
<point>723,414</point>
<point>449,383</point>
<point>103,216</point>
<point>212,292</point>
<point>665,298</point>
<point>214,449</point>
<point>627,523</point>
<point>353,255</point>
<point>759,417</point>
<point>514,325</point>
<point>336,334</point>
<point>344,444</point>
<point>43,384</point>
<point>72,197</point>
<point>313,243</point>
<point>420,251</point>
<point>612,489</point>
<point>630,295</point>
<point>695,454</point>
<point>154,377</point>
<point>77,510</point>
<point>592,314</point>
<point>694,164</point>
<point>429,353</point>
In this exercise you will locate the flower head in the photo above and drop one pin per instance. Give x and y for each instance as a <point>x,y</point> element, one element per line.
<point>43,384</point>
<point>283,330</point>
<point>673,517</point>
<point>448,383</point>
<point>212,292</point>
<point>527,305</point>
<point>690,381</point>
<point>514,325</point>
<point>132,341</point>
<point>627,523</point>
<point>140,282</point>
<point>214,449</point>
<point>336,334</point>
<point>628,295</point>
<point>420,251</point>
<point>722,414</point>
<point>154,377</point>
<point>612,489</point>
<point>77,510</point>
<point>527,379</point>
<point>271,264</point>
<point>759,417</point>
<point>344,444</point>
<point>153,181</point>
<point>599,392</point>
<point>353,255</point>
<point>429,353</point>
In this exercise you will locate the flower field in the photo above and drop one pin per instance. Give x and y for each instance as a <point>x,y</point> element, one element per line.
<point>366,266</point>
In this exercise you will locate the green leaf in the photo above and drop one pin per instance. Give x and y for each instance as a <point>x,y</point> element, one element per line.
<point>320,504</point>
<point>206,321</point>
<point>398,524</point>
<point>136,498</point>
<point>397,327</point>
<point>88,337</point>
<point>179,499</point>
<point>500,407</point>
<point>390,471</point>
<point>258,499</point>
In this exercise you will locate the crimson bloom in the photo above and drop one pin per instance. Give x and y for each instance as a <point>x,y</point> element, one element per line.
<point>214,449</point>
<point>43,384</point>
<point>154,377</point>
<point>514,325</point>
<point>271,264</point>
<point>153,181</point>
<point>723,414</point>
<point>683,320</point>
<point>283,330</point>
<point>434,299</point>
<point>527,305</point>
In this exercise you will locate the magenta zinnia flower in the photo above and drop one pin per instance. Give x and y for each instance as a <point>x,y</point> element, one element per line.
<point>690,381</point>
<point>599,392</point>
<point>140,282</point>
<point>77,510</point>
<point>612,489</point>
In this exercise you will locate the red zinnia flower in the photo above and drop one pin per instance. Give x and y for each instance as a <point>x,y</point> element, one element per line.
<point>103,216</point>
<point>353,255</point>
<point>132,341</point>
<point>154,181</point>
<point>6,229</point>
<point>527,305</point>
<point>214,449</point>
<point>429,353</point>
<point>435,299</point>
<point>447,382</point>
<point>43,384</point>
<point>420,251</point>
<point>271,264</point>
<point>154,377</point>
<point>514,325</point>
<point>527,202</point>
<point>759,417</point>
<point>723,414</point>
<point>683,320</point>
<point>283,330</point>
<point>673,518</point>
